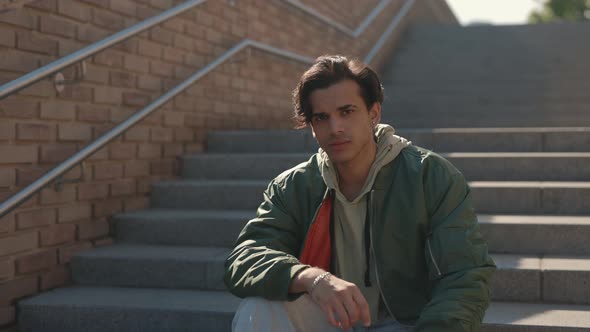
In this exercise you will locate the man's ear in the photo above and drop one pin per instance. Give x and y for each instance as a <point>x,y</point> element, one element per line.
<point>312,131</point>
<point>375,113</point>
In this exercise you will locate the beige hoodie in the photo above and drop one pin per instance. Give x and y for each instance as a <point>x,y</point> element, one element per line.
<point>349,217</point>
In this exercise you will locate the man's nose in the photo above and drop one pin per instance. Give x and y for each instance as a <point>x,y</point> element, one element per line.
<point>336,125</point>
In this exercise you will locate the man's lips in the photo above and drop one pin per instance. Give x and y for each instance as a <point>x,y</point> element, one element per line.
<point>336,144</point>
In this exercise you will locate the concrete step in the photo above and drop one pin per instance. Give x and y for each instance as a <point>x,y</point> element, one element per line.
<point>552,235</point>
<point>531,197</point>
<point>151,266</point>
<point>261,141</point>
<point>100,309</point>
<point>490,197</point>
<point>475,166</point>
<point>181,227</point>
<point>208,194</point>
<point>534,234</point>
<point>521,139</point>
<point>548,279</point>
<point>536,317</point>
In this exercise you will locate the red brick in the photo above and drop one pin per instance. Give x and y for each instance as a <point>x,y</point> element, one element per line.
<point>126,7</point>
<point>123,187</point>
<point>149,151</point>
<point>137,133</point>
<point>106,208</point>
<point>15,243</point>
<point>161,68</point>
<point>103,242</point>
<point>183,135</point>
<point>16,107</point>
<point>173,119</point>
<point>35,132</point>
<point>144,12</point>
<point>108,170</point>
<point>137,168</point>
<point>21,18</point>
<point>93,230</point>
<point>122,151</point>
<point>135,99</point>
<point>183,42</point>
<point>8,39</point>
<point>7,177</point>
<point>17,289</point>
<point>58,234</point>
<point>73,10</point>
<point>173,150</point>
<point>97,3</point>
<point>44,89</point>
<point>91,34</point>
<point>122,79</point>
<point>162,36</point>
<point>26,41</point>
<point>173,55</point>
<point>144,185</point>
<point>162,167</point>
<point>59,27</point>
<point>36,261</point>
<point>35,218</point>
<point>195,60</point>
<point>74,132</point>
<point>78,93</point>
<point>93,113</point>
<point>49,196</point>
<point>57,110</point>
<point>136,63</point>
<point>96,74</point>
<point>161,135</point>
<point>17,154</point>
<point>7,223</point>
<point>101,154</point>
<point>136,203</point>
<point>74,213</point>
<point>58,277</point>
<point>195,120</point>
<point>6,268</point>
<point>149,48</point>
<point>47,5</point>
<point>52,153</point>
<point>88,191</point>
<point>7,316</point>
<point>107,20</point>
<point>66,252</point>
<point>7,130</point>
<point>26,175</point>
<point>108,95</point>
<point>109,58</point>
<point>150,83</point>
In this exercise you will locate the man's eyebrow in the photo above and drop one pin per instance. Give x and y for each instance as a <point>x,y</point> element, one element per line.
<point>347,106</point>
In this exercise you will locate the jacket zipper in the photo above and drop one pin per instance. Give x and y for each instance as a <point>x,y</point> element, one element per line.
<point>432,256</point>
<point>375,257</point>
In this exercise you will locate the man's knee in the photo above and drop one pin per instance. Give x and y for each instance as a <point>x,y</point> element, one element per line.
<point>258,314</point>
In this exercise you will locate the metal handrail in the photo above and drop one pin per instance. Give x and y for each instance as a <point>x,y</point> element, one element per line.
<point>397,20</point>
<point>81,54</point>
<point>338,26</point>
<point>87,151</point>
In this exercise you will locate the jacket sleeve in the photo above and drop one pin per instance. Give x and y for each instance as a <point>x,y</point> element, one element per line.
<point>264,259</point>
<point>459,266</point>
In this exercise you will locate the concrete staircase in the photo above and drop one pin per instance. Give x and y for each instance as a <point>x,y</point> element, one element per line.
<point>531,184</point>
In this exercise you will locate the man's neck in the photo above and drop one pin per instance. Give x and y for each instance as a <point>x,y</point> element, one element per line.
<point>353,175</point>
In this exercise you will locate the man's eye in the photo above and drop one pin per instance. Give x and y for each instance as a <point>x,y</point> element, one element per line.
<point>346,112</point>
<point>320,117</point>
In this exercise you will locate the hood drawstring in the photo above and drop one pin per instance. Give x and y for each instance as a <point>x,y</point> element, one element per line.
<point>368,246</point>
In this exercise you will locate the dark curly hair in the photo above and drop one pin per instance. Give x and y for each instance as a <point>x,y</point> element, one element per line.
<point>328,70</point>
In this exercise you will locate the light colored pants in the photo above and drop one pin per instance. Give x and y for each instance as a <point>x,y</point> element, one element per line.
<point>303,314</point>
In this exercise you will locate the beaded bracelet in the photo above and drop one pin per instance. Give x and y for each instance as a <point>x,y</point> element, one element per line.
<point>317,280</point>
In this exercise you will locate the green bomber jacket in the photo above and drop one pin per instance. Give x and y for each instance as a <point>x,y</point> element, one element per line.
<point>431,260</point>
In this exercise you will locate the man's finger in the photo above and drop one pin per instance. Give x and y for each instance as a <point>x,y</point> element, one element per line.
<point>340,311</point>
<point>365,312</point>
<point>331,318</point>
<point>352,308</point>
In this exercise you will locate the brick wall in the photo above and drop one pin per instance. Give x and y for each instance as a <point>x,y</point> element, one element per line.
<point>40,127</point>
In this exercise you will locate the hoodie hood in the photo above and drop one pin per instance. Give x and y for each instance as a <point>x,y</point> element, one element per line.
<point>389,146</point>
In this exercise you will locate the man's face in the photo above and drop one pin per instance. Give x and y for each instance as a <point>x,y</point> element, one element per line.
<point>341,122</point>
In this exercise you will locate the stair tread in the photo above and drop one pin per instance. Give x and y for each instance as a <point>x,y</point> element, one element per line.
<point>182,214</point>
<point>137,298</point>
<point>157,252</point>
<point>547,262</point>
<point>533,219</point>
<point>538,314</point>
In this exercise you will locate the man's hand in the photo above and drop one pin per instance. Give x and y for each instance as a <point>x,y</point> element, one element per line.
<point>342,301</point>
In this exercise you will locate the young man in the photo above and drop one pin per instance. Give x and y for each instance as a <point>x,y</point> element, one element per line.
<point>371,233</point>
